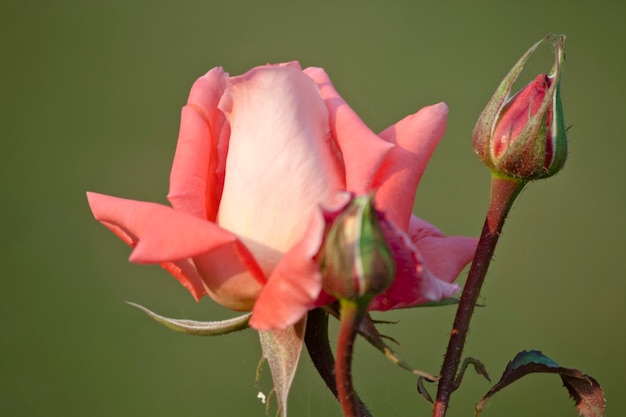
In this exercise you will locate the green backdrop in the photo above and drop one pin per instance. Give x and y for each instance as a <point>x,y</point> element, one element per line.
<point>91,94</point>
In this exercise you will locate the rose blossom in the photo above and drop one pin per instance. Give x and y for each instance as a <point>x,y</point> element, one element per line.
<point>258,156</point>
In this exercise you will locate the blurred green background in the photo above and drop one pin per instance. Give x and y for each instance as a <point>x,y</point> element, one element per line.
<point>91,94</point>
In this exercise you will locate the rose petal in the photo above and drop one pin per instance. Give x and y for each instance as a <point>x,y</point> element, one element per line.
<point>197,175</point>
<point>414,283</point>
<point>433,289</point>
<point>294,285</point>
<point>406,287</point>
<point>185,272</point>
<point>445,256</point>
<point>158,233</point>
<point>416,138</point>
<point>362,150</point>
<point>231,276</point>
<point>279,164</point>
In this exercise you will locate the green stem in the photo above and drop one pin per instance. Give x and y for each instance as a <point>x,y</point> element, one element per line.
<point>351,313</point>
<point>503,193</point>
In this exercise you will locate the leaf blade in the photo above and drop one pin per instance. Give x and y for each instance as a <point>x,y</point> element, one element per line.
<point>584,390</point>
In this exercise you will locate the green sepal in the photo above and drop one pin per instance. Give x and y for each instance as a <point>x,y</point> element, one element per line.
<point>198,328</point>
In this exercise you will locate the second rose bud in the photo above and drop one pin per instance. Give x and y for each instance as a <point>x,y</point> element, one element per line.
<point>524,136</point>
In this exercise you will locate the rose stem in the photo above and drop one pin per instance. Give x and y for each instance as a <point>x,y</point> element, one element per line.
<point>503,193</point>
<point>318,345</point>
<point>351,313</point>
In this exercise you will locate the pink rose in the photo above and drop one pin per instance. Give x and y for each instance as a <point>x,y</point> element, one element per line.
<point>258,155</point>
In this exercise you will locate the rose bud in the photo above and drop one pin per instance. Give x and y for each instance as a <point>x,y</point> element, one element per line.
<point>524,136</point>
<point>356,260</point>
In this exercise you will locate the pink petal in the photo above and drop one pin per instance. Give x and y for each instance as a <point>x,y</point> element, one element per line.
<point>185,272</point>
<point>231,276</point>
<point>279,164</point>
<point>445,256</point>
<point>197,175</point>
<point>294,285</point>
<point>416,138</point>
<point>433,289</point>
<point>406,287</point>
<point>158,233</point>
<point>414,283</point>
<point>363,151</point>
<point>182,270</point>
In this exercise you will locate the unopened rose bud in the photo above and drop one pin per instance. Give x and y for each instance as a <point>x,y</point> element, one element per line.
<point>356,260</point>
<point>524,136</point>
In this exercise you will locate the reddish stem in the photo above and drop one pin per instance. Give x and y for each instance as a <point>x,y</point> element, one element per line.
<point>351,313</point>
<point>503,193</point>
<point>317,343</point>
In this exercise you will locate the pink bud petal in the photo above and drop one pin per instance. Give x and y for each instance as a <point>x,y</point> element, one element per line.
<point>516,114</point>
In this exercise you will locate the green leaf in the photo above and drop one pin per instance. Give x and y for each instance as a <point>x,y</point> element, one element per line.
<point>282,350</point>
<point>583,389</point>
<point>198,328</point>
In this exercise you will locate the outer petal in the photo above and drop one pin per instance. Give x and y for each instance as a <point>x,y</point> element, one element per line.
<point>294,285</point>
<point>162,235</point>
<point>416,138</point>
<point>363,151</point>
<point>445,256</point>
<point>197,176</point>
<point>279,164</point>
<point>158,233</point>
<point>183,270</point>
